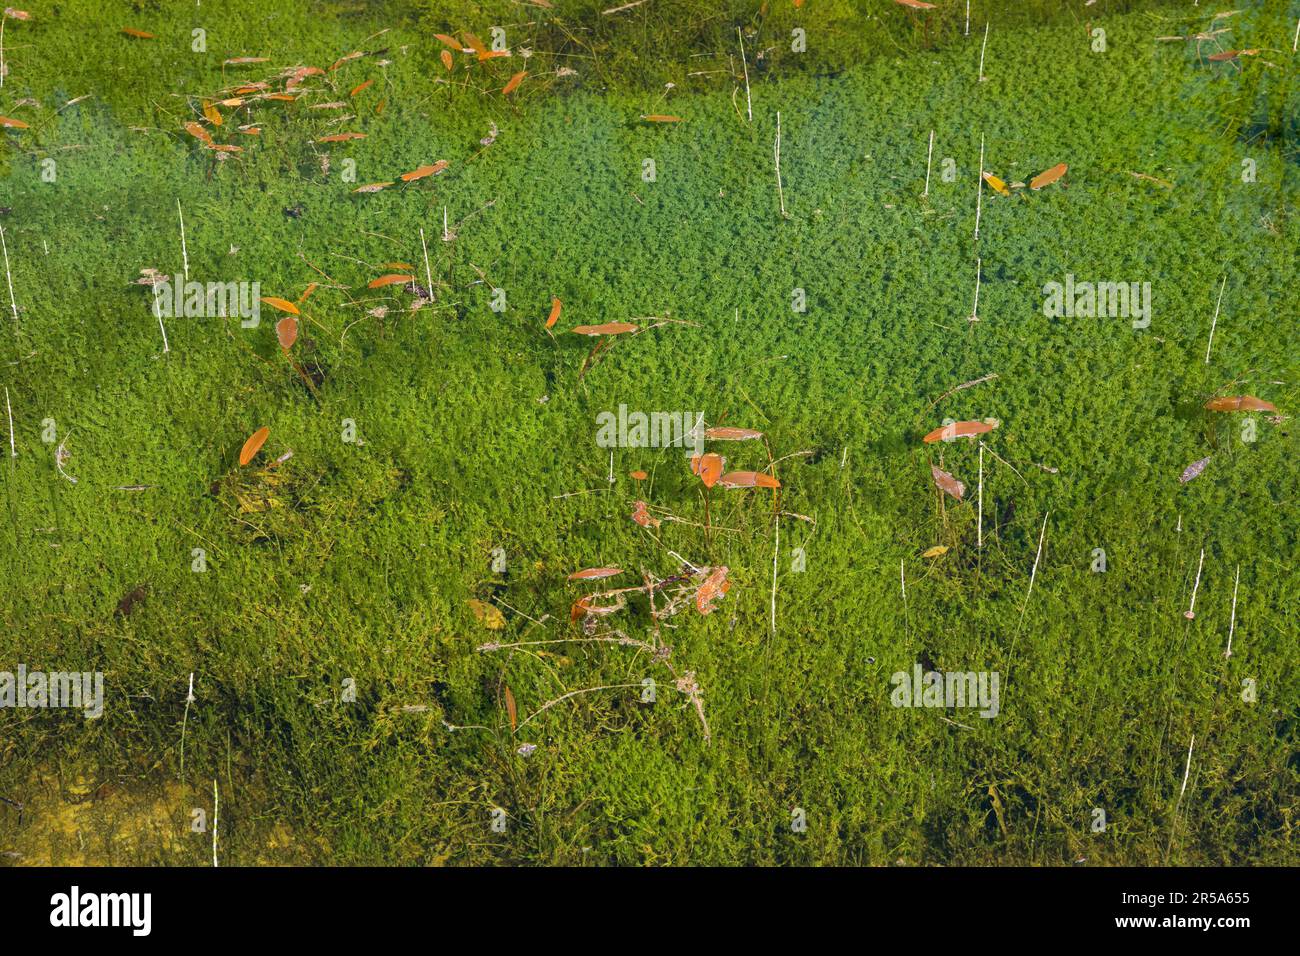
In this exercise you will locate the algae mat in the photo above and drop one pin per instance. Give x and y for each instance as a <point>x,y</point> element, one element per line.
<point>390,662</point>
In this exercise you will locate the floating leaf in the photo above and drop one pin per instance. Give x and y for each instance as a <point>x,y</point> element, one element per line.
<point>1194,469</point>
<point>282,304</point>
<point>708,467</point>
<point>286,331</point>
<point>960,430</point>
<point>554,317</point>
<point>431,170</point>
<point>1049,176</point>
<point>511,710</point>
<point>489,615</point>
<point>594,574</point>
<point>389,280</point>
<point>732,434</point>
<point>1239,403</point>
<point>609,328</point>
<point>947,482</point>
<point>996,184</point>
<point>513,83</point>
<point>713,589</point>
<point>748,479</point>
<point>253,445</point>
<point>643,517</point>
<point>935,552</point>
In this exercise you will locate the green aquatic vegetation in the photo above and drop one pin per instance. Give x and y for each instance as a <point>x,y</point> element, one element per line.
<point>450,454</point>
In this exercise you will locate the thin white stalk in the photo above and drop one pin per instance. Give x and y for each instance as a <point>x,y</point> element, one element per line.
<point>979,527</point>
<point>1232,627</point>
<point>775,552</point>
<point>1191,608</point>
<point>779,191</point>
<point>2,50</point>
<point>13,452</point>
<point>185,255</point>
<point>216,807</point>
<point>1034,573</point>
<point>1188,769</point>
<point>979,190</point>
<point>446,236</point>
<point>975,310</point>
<point>928,157</point>
<point>428,275</point>
<point>1215,321</point>
<point>967,18</point>
<point>982,48</point>
<point>749,106</point>
<point>1296,41</point>
<point>189,699</point>
<point>13,303</point>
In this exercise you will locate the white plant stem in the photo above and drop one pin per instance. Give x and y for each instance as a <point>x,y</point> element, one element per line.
<point>185,255</point>
<point>749,106</point>
<point>13,451</point>
<point>979,526</point>
<point>982,48</point>
<point>1232,627</point>
<point>1191,608</point>
<point>780,192</point>
<point>975,309</point>
<point>928,157</point>
<point>428,275</point>
<point>1215,321</point>
<point>979,190</point>
<point>13,303</point>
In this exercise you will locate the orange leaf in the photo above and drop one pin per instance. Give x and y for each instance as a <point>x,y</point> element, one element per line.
<point>9,123</point>
<point>389,280</point>
<point>340,137</point>
<point>594,574</point>
<point>643,517</point>
<point>474,43</point>
<point>1239,403</point>
<point>138,34</point>
<point>1048,177</point>
<point>198,132</point>
<point>359,87</point>
<point>958,430</point>
<point>661,118</point>
<point>748,479</point>
<point>423,171</point>
<point>283,305</point>
<point>253,445</point>
<point>311,287</point>
<point>451,42</point>
<point>609,328</point>
<point>212,113</point>
<point>513,83</point>
<point>708,467</point>
<point>554,317</point>
<point>511,710</point>
<point>732,434</point>
<point>286,330</point>
<point>446,60</point>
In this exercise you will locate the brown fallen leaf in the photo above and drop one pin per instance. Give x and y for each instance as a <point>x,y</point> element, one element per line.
<point>609,328</point>
<point>1240,403</point>
<point>643,517</point>
<point>594,574</point>
<point>554,317</point>
<point>253,445</point>
<point>959,430</point>
<point>915,4</point>
<point>947,482</point>
<point>361,86</point>
<point>10,123</point>
<point>389,280</point>
<point>748,479</point>
<point>661,118</point>
<point>371,187</point>
<point>713,589</point>
<point>732,434</point>
<point>340,137</point>
<point>431,170</point>
<point>451,42</point>
<point>241,60</point>
<point>1048,176</point>
<point>138,34</point>
<point>446,60</point>
<point>286,331</point>
<point>198,132</point>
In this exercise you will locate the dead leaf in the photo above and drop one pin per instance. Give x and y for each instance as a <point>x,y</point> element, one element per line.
<point>253,445</point>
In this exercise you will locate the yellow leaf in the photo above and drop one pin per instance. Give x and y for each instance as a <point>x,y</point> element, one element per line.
<point>934,552</point>
<point>488,615</point>
<point>996,184</point>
